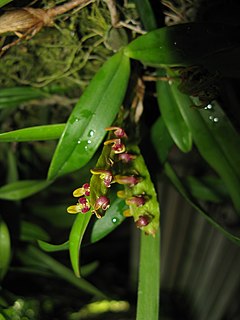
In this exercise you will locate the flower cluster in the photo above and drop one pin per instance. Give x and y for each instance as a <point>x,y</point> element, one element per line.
<point>83,204</point>
<point>98,203</point>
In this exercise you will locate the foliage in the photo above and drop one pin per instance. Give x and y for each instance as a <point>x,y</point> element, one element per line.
<point>53,142</point>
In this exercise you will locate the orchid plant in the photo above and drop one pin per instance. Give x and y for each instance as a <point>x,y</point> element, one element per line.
<point>101,143</point>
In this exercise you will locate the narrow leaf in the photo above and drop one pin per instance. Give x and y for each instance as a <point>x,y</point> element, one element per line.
<point>180,187</point>
<point>161,139</point>
<point>30,231</point>
<point>48,247</point>
<point>208,143</point>
<point>207,188</point>
<point>149,278</point>
<point>63,272</point>
<point>47,132</point>
<point>146,14</point>
<point>22,189</point>
<point>75,239</point>
<point>5,248</point>
<point>96,110</point>
<point>11,97</point>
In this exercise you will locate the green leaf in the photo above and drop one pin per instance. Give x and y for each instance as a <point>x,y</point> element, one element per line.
<point>149,278</point>
<point>12,172</point>
<point>48,247</point>
<point>5,248</point>
<point>75,239</point>
<point>22,189</point>
<point>180,187</point>
<point>30,231</point>
<point>210,146</point>
<point>172,117</point>
<point>161,139</point>
<point>12,97</point>
<point>225,134</point>
<point>112,219</point>
<point>146,14</point>
<point>47,132</point>
<point>182,44</point>
<point>207,188</point>
<point>96,110</point>
<point>3,2</point>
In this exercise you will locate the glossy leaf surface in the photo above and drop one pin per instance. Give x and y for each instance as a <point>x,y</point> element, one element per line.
<point>112,219</point>
<point>47,132</point>
<point>96,110</point>
<point>149,278</point>
<point>75,239</point>
<point>22,189</point>
<point>181,44</point>
<point>172,117</point>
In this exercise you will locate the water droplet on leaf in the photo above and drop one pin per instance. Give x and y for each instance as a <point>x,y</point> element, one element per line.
<point>114,220</point>
<point>91,133</point>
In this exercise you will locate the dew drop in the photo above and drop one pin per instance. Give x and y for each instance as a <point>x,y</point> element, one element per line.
<point>91,133</point>
<point>215,119</point>
<point>175,43</point>
<point>208,107</point>
<point>79,141</point>
<point>114,220</point>
<point>89,141</point>
<point>211,118</point>
<point>86,147</point>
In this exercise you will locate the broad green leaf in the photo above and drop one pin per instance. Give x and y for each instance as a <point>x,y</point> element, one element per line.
<point>149,278</point>
<point>112,219</point>
<point>211,148</point>
<point>11,97</point>
<point>22,189</point>
<point>161,139</point>
<point>182,44</point>
<point>96,110</point>
<point>5,248</point>
<point>46,132</point>
<point>75,239</point>
<point>146,14</point>
<point>172,117</point>
<point>30,231</point>
<point>180,187</point>
<point>48,247</point>
<point>63,272</point>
